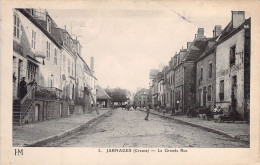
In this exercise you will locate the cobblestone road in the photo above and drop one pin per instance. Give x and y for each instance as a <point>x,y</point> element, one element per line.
<point>129,129</point>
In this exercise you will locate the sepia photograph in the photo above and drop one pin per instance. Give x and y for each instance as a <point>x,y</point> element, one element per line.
<point>198,97</point>
<point>131,77</point>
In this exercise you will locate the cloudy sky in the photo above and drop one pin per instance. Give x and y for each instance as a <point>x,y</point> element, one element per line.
<point>128,38</point>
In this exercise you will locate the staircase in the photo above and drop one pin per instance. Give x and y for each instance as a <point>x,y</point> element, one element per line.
<point>16,111</point>
<point>20,110</point>
<point>21,107</point>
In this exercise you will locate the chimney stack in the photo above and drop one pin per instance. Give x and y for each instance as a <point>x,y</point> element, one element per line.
<point>188,44</point>
<point>238,17</point>
<point>200,33</point>
<point>217,30</point>
<point>92,64</point>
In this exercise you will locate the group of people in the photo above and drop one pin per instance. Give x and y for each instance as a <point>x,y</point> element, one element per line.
<point>23,87</point>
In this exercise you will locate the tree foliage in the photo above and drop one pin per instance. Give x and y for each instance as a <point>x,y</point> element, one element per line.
<point>117,94</point>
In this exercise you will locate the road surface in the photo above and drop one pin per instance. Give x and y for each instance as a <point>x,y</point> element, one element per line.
<point>129,129</point>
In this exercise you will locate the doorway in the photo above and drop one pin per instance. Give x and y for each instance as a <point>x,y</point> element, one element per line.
<point>36,113</point>
<point>204,96</point>
<point>234,93</point>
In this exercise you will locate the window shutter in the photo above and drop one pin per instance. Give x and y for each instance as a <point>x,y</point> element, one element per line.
<point>20,29</point>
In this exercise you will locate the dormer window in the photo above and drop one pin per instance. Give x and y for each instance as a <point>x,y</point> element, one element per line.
<point>48,24</point>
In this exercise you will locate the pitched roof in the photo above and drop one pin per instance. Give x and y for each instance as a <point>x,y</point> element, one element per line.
<point>229,30</point>
<point>138,93</point>
<point>225,34</point>
<point>102,94</point>
<point>40,25</point>
<point>196,49</point>
<point>153,73</point>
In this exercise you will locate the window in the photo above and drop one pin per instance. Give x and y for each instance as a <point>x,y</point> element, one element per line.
<point>69,66</point>
<point>17,27</point>
<point>55,56</point>
<point>33,39</point>
<point>210,70</point>
<point>209,93</point>
<point>201,73</point>
<point>48,52</point>
<point>232,55</point>
<point>221,90</point>
<point>234,81</point>
<point>31,71</point>
<point>49,24</point>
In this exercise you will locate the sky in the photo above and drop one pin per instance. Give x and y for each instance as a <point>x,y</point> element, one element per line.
<point>128,38</point>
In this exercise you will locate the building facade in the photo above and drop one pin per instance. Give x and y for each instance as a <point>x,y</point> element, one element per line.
<point>233,65</point>
<point>141,97</point>
<point>46,55</point>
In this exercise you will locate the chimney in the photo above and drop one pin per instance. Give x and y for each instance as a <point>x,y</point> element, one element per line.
<point>200,33</point>
<point>238,17</point>
<point>92,64</point>
<point>217,30</point>
<point>188,44</point>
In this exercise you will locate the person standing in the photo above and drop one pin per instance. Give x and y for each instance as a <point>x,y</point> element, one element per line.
<point>23,88</point>
<point>147,112</point>
<point>173,111</point>
<point>33,83</point>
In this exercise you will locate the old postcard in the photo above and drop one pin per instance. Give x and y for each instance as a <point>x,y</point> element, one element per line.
<point>130,82</point>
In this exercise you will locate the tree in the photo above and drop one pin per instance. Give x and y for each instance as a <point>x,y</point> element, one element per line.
<point>117,94</point>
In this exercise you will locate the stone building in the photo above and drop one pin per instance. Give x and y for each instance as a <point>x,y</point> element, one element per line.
<point>160,80</point>
<point>141,97</point>
<point>47,54</point>
<point>185,72</point>
<point>206,73</point>
<point>233,65</point>
<point>152,75</point>
<point>165,86</point>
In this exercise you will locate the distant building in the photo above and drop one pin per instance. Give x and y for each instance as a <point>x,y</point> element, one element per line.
<point>103,99</point>
<point>152,76</point>
<point>141,97</point>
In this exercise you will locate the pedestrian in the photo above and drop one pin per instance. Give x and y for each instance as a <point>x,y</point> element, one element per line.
<point>208,113</point>
<point>163,109</point>
<point>23,88</point>
<point>147,112</point>
<point>173,111</point>
<point>33,82</point>
<point>128,107</point>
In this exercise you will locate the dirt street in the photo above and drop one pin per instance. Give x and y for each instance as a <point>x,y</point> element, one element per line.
<point>129,129</point>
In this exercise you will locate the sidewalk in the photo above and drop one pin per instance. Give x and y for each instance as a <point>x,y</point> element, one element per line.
<point>42,132</point>
<point>237,130</point>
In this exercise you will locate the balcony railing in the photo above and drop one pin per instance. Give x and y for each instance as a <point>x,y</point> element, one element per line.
<point>18,48</point>
<point>48,93</point>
